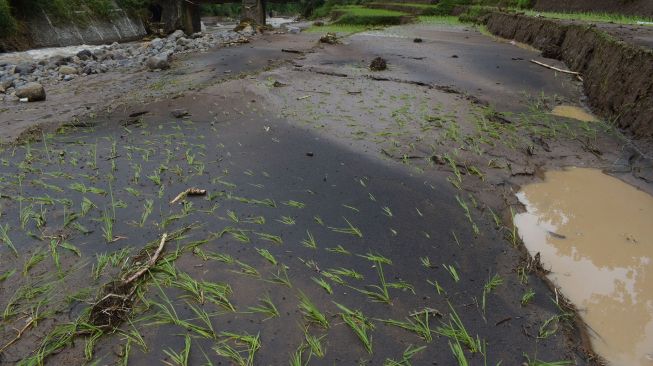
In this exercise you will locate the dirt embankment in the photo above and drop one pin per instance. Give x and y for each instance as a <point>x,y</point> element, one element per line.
<point>632,7</point>
<point>617,77</point>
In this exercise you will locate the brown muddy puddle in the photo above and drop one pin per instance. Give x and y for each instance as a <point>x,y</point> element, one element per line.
<point>573,112</point>
<point>595,233</point>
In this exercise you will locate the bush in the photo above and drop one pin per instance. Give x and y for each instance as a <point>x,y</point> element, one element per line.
<point>7,22</point>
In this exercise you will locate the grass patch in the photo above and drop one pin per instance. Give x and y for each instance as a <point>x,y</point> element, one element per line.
<point>359,15</point>
<point>591,17</point>
<point>439,20</point>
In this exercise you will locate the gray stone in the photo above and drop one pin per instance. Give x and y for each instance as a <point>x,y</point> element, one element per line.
<point>85,55</point>
<point>67,70</point>
<point>176,34</point>
<point>25,68</point>
<point>156,43</point>
<point>160,62</point>
<point>183,41</point>
<point>34,92</point>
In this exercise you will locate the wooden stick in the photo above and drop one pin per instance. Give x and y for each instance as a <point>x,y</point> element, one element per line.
<point>555,68</point>
<point>150,263</point>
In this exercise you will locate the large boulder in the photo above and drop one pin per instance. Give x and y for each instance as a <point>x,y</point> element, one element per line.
<point>159,62</point>
<point>25,68</point>
<point>176,34</point>
<point>85,55</point>
<point>67,70</point>
<point>34,92</point>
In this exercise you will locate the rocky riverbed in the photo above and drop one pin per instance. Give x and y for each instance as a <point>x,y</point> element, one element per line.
<point>18,73</point>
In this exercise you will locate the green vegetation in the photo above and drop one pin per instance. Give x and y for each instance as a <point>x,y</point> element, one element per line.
<point>592,17</point>
<point>358,15</point>
<point>7,22</point>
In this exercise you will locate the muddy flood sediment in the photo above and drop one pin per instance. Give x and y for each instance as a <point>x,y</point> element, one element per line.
<point>594,233</point>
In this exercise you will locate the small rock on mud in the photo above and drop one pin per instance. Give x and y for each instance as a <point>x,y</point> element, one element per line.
<point>417,40</point>
<point>329,38</point>
<point>159,62</point>
<point>34,92</point>
<point>378,64</point>
<point>179,113</point>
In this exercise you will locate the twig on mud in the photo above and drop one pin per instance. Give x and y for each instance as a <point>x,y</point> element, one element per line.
<point>189,192</point>
<point>314,91</point>
<point>292,51</point>
<point>150,263</point>
<point>558,69</point>
<point>28,324</point>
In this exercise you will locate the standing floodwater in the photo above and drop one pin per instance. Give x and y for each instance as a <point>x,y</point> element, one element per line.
<point>595,233</point>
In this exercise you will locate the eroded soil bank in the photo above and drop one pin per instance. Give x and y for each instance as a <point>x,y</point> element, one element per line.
<point>617,76</point>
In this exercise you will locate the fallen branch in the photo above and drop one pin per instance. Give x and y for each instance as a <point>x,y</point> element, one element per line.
<point>150,263</point>
<point>189,192</point>
<point>28,324</point>
<point>287,50</point>
<point>558,69</point>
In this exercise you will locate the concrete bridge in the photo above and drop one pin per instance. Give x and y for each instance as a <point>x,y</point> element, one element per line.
<point>185,14</point>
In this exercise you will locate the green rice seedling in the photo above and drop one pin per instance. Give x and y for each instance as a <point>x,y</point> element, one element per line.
<point>346,272</point>
<point>259,220</point>
<point>4,237</point>
<point>359,324</point>
<point>458,353</point>
<point>372,198</point>
<point>550,326</point>
<point>527,297</point>
<point>287,220</point>
<point>266,307</point>
<point>333,277</point>
<point>296,358</point>
<point>376,258</point>
<point>147,210</point>
<point>133,192</point>
<point>408,354</point>
<point>6,275</point>
<point>310,241</point>
<point>267,255</point>
<point>351,208</point>
<point>426,262</point>
<point>351,229</point>
<point>452,271</point>
<point>248,270</point>
<point>339,249</point>
<point>418,323</point>
<point>311,313</point>
<point>318,220</point>
<point>402,285</point>
<point>221,257</point>
<point>243,351</point>
<point>235,233</point>
<point>489,286</point>
<point>314,344</point>
<point>455,330</point>
<point>87,205</point>
<point>25,214</point>
<point>37,257</point>
<point>179,359</point>
<point>468,214</point>
<point>81,188</point>
<point>107,226</point>
<point>233,216</point>
<point>294,204</point>
<point>281,277</point>
<point>387,211</point>
<point>269,237</point>
<point>536,362</point>
<point>204,317</point>
<point>437,286</point>
<point>324,284</point>
<point>378,293</point>
<point>167,314</point>
<point>155,177</point>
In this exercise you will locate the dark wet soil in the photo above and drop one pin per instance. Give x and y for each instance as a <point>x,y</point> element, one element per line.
<point>417,175</point>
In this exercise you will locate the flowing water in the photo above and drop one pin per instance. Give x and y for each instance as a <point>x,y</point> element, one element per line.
<point>570,111</point>
<point>595,233</point>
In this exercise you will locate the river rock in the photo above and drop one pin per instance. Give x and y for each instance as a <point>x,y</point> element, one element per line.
<point>176,34</point>
<point>183,41</point>
<point>67,70</point>
<point>34,92</point>
<point>156,43</point>
<point>85,55</point>
<point>25,68</point>
<point>159,62</point>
